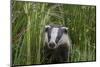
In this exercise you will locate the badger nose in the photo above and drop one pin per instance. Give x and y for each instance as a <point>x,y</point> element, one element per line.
<point>51,45</point>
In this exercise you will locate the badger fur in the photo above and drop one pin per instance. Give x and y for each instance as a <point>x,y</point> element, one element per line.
<point>57,44</point>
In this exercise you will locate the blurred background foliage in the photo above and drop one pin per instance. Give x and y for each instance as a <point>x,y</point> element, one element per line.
<point>29,18</point>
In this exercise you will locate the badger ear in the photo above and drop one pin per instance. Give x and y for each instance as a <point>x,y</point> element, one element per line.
<point>65,29</point>
<point>47,27</point>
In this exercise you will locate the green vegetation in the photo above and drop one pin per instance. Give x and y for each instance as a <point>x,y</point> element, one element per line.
<point>28,21</point>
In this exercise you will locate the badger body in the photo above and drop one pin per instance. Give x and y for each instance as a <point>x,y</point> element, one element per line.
<point>57,44</point>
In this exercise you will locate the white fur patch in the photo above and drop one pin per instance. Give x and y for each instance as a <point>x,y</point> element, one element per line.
<point>65,28</point>
<point>46,37</point>
<point>47,26</point>
<point>54,34</point>
<point>65,39</point>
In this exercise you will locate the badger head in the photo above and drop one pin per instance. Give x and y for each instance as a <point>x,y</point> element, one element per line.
<point>56,36</point>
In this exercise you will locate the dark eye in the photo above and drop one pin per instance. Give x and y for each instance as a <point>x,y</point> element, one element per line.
<point>49,36</point>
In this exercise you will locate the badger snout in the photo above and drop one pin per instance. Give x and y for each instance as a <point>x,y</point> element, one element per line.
<point>52,45</point>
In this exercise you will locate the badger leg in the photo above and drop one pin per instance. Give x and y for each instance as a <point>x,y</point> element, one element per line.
<point>64,53</point>
<point>49,56</point>
<point>58,55</point>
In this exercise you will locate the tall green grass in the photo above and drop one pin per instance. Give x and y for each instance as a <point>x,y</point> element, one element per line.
<point>29,19</point>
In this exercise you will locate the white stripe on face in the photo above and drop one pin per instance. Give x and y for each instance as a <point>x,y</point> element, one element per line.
<point>46,37</point>
<point>65,40</point>
<point>54,33</point>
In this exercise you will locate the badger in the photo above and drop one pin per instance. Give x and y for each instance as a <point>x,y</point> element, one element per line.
<point>57,44</point>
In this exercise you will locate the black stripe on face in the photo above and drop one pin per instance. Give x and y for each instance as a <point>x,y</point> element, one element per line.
<point>49,34</point>
<point>59,35</point>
